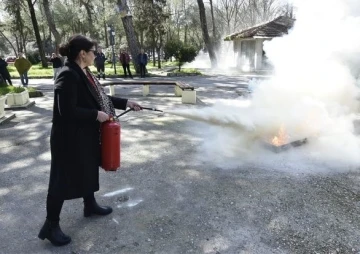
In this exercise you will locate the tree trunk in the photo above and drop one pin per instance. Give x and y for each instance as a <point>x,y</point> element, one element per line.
<point>186,32</point>
<point>51,24</point>
<point>158,50</point>
<point>20,28</point>
<point>131,38</point>
<point>213,19</point>
<point>88,8</point>
<point>106,35</point>
<point>205,33</point>
<point>17,45</point>
<point>37,34</point>
<point>105,25</point>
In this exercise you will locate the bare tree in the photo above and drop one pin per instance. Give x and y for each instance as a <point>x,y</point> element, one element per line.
<point>206,37</point>
<point>227,12</point>
<point>256,11</point>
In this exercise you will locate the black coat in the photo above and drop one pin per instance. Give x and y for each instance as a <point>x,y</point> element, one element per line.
<point>100,59</point>
<point>75,135</point>
<point>3,69</point>
<point>56,62</point>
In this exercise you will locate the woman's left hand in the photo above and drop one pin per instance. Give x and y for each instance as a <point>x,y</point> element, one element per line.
<point>134,105</point>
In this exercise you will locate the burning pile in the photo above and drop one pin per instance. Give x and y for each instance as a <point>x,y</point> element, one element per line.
<point>282,141</point>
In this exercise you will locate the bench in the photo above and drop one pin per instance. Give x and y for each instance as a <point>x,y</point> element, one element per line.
<point>183,90</point>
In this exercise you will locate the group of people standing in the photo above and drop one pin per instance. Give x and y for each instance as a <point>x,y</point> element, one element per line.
<point>23,65</point>
<point>124,59</point>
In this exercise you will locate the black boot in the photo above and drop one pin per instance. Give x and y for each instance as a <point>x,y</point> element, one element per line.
<point>92,207</point>
<point>52,231</point>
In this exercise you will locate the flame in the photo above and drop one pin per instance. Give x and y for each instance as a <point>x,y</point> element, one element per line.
<point>281,138</point>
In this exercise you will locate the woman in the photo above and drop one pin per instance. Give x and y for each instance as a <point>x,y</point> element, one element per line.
<point>80,106</point>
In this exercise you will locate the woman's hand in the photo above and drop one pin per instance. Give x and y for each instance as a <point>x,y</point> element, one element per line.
<point>134,105</point>
<point>102,116</point>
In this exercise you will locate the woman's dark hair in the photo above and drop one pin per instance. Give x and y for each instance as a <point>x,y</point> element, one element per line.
<point>75,44</point>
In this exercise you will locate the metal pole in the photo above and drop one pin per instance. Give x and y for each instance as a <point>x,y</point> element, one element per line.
<point>112,47</point>
<point>114,58</point>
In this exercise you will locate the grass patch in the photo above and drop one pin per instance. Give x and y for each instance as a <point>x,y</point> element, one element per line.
<point>11,89</point>
<point>34,93</point>
<point>38,71</point>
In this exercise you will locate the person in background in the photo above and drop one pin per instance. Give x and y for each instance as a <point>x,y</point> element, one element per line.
<point>80,106</point>
<point>4,71</point>
<point>23,65</point>
<point>57,64</point>
<point>100,63</point>
<point>142,60</point>
<point>125,62</point>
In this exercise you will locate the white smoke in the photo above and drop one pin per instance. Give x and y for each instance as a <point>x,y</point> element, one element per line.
<point>312,95</point>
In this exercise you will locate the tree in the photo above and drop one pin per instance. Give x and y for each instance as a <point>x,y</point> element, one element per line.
<point>51,24</point>
<point>182,52</point>
<point>187,54</point>
<point>131,37</point>
<point>228,13</point>
<point>151,19</point>
<point>37,34</point>
<point>171,48</point>
<point>206,37</point>
<point>89,11</point>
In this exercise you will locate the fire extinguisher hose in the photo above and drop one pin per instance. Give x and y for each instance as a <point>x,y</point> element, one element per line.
<point>127,111</point>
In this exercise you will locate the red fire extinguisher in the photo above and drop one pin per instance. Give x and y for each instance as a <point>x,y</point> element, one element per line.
<point>110,142</point>
<point>110,145</point>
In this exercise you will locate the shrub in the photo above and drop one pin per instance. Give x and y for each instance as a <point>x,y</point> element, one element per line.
<point>171,48</point>
<point>187,55</point>
<point>17,89</point>
<point>34,57</point>
<point>182,53</point>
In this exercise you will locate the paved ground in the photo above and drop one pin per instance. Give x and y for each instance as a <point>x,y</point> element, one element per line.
<point>166,198</point>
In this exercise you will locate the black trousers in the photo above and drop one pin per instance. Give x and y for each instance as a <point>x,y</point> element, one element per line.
<point>6,77</point>
<point>101,69</point>
<point>127,67</point>
<point>54,205</point>
<point>142,70</point>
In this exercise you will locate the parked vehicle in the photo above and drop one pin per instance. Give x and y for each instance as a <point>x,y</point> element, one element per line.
<point>10,59</point>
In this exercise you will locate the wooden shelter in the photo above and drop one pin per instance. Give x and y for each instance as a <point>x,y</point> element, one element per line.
<point>248,43</point>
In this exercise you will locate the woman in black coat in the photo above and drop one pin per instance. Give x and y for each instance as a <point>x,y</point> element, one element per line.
<point>80,106</point>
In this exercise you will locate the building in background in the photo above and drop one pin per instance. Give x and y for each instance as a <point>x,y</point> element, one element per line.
<point>248,43</point>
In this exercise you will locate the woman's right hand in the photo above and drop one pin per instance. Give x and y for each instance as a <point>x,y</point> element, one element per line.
<point>102,116</point>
